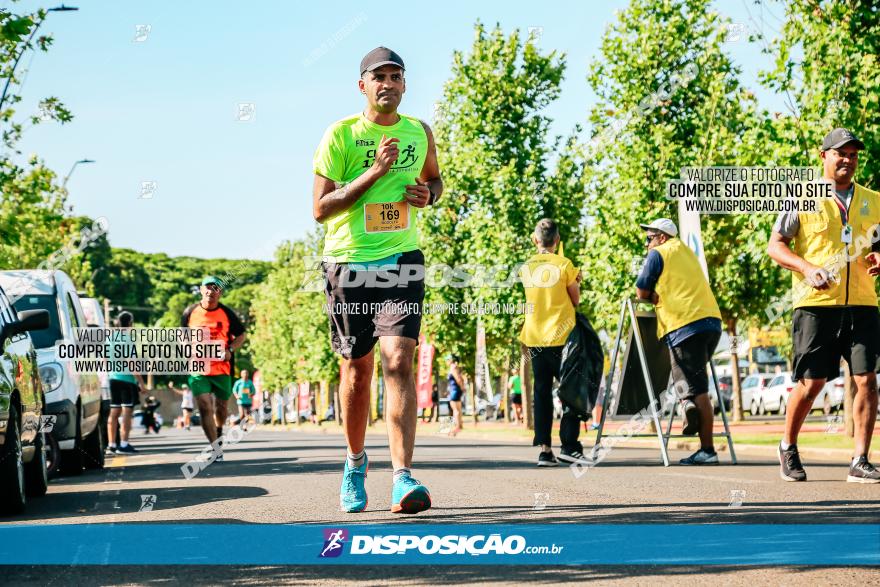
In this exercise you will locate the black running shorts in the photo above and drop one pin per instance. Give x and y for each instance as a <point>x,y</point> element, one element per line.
<point>822,335</point>
<point>362,306</point>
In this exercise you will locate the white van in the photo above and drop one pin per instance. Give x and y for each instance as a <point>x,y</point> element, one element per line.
<point>74,398</point>
<point>94,314</point>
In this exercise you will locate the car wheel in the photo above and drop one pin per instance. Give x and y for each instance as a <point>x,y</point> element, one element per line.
<point>53,455</point>
<point>36,475</point>
<point>12,486</point>
<point>72,460</point>
<point>761,409</point>
<point>781,410</point>
<point>753,408</point>
<point>93,448</point>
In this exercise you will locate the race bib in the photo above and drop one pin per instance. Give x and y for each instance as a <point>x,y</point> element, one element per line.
<point>386,216</point>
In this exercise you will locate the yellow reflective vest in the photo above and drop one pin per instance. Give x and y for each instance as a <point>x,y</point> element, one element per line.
<point>684,292</point>
<point>819,241</point>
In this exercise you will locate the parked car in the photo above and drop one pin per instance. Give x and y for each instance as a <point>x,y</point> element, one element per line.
<point>22,459</point>
<point>73,398</point>
<point>725,382</point>
<point>752,386</point>
<point>831,396</point>
<point>774,397</point>
<point>726,393</point>
<point>94,314</point>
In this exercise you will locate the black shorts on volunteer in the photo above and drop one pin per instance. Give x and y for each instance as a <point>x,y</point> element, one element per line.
<point>690,360</point>
<point>361,308</point>
<point>123,394</point>
<point>822,335</point>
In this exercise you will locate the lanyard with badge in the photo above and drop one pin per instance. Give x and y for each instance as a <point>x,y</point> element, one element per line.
<point>846,232</point>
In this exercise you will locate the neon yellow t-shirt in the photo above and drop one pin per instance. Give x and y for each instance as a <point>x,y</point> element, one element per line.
<point>546,278</point>
<point>377,225</point>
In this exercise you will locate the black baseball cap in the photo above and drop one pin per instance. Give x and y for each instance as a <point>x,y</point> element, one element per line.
<point>378,57</point>
<point>838,138</point>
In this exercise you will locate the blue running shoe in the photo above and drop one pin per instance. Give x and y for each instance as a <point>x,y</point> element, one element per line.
<point>353,493</point>
<point>408,496</point>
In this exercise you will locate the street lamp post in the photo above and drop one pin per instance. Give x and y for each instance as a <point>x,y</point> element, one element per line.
<point>27,43</point>
<point>72,167</point>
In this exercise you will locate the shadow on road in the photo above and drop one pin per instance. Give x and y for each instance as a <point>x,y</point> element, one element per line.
<point>84,504</point>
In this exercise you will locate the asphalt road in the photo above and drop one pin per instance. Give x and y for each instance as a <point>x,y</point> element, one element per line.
<point>293,477</point>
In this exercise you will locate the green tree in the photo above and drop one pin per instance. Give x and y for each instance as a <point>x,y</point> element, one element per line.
<point>289,336</point>
<point>496,155</point>
<point>32,215</point>
<point>826,61</point>
<point>669,97</point>
<point>32,205</point>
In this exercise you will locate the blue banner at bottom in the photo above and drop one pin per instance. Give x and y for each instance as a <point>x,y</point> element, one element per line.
<point>435,544</point>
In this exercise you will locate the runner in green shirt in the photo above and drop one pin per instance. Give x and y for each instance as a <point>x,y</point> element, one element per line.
<point>373,172</point>
<point>244,392</point>
<point>515,386</point>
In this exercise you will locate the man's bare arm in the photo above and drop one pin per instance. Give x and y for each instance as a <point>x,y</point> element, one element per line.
<point>329,199</point>
<point>574,293</point>
<point>778,250</point>
<point>237,342</point>
<point>646,294</point>
<point>431,169</point>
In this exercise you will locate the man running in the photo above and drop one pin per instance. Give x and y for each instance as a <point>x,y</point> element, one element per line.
<point>244,392</point>
<point>688,321</point>
<point>515,386</point>
<point>125,388</point>
<point>373,171</point>
<point>213,389</point>
<point>186,404</point>
<point>835,304</point>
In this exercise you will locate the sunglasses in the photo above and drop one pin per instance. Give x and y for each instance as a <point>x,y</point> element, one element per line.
<point>213,287</point>
<point>649,238</point>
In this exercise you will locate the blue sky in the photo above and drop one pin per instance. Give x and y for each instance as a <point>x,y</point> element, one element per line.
<point>165,109</point>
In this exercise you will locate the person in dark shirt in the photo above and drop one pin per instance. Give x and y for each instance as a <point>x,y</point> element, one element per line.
<point>688,321</point>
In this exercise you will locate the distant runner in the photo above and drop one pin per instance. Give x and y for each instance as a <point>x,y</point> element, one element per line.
<point>244,392</point>
<point>515,386</point>
<point>125,389</point>
<point>213,389</point>
<point>455,386</point>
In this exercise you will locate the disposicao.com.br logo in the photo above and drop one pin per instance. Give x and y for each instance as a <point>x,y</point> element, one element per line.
<point>334,541</point>
<point>432,544</point>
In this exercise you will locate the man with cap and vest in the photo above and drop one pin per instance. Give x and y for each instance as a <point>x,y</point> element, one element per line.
<point>833,256</point>
<point>373,171</point>
<point>213,388</point>
<point>688,321</point>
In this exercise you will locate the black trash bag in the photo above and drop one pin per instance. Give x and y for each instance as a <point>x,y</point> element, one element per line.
<point>581,372</point>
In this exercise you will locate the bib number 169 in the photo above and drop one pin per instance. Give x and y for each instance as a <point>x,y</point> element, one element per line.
<point>389,212</point>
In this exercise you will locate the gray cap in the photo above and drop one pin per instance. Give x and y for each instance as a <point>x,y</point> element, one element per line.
<point>664,225</point>
<point>838,138</point>
<point>378,57</point>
